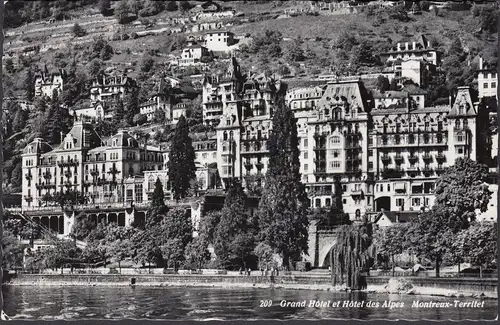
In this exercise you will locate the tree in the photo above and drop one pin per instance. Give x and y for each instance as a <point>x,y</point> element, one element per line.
<point>151,8</point>
<point>105,7</point>
<point>181,167</point>
<point>428,236</point>
<point>82,228</point>
<point>78,31</point>
<point>267,44</point>
<point>147,64</point>
<point>122,12</point>
<point>171,6</point>
<point>294,51</point>
<point>478,244</point>
<point>233,235</point>
<point>158,197</point>
<point>119,114</point>
<point>29,85</point>
<point>57,120</point>
<point>20,119</point>
<point>131,105</point>
<point>95,68</point>
<point>159,116</point>
<point>197,253</point>
<point>13,251</point>
<point>185,5</point>
<point>383,84</point>
<point>391,241</point>
<point>9,65</point>
<point>265,254</point>
<point>461,190</point>
<point>173,251</point>
<point>282,209</point>
<point>176,232</point>
<point>140,119</point>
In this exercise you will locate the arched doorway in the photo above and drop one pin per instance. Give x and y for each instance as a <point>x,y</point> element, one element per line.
<point>383,202</point>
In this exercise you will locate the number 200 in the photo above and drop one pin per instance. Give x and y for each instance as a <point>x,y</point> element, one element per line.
<point>266,303</point>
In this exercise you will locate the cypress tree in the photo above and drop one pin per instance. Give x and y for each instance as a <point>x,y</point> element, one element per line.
<point>283,207</point>
<point>57,119</point>
<point>181,168</point>
<point>157,200</point>
<point>29,84</point>
<point>131,102</point>
<point>119,114</point>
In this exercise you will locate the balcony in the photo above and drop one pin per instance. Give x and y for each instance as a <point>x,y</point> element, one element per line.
<point>29,176</point>
<point>440,169</point>
<point>259,165</point>
<point>28,198</point>
<point>385,159</point>
<point>399,158</point>
<point>413,158</point>
<point>46,175</point>
<point>427,156</point>
<point>412,168</point>
<point>248,164</point>
<point>427,170</point>
<point>440,156</point>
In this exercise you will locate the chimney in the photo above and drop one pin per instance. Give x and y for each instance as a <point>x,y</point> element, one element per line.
<point>397,217</point>
<point>62,136</point>
<point>480,62</point>
<point>449,98</point>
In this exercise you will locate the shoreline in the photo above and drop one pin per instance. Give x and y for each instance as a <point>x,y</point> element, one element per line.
<point>371,288</point>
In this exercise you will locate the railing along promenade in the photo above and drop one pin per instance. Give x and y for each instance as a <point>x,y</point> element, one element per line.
<point>102,206</point>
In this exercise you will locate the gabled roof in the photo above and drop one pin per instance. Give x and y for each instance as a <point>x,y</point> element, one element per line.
<point>464,100</point>
<point>336,93</point>
<point>398,216</point>
<point>37,146</point>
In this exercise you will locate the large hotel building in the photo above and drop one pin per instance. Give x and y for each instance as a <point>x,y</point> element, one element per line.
<point>387,148</point>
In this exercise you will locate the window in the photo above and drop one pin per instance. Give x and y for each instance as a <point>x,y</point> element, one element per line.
<point>318,203</point>
<point>493,85</point>
<point>415,201</point>
<point>306,167</point>
<point>370,153</point>
<point>459,151</point>
<point>400,202</point>
<point>335,153</point>
<point>328,202</point>
<point>388,187</point>
<point>305,155</point>
<point>370,165</point>
<point>335,164</point>
<point>335,140</point>
<point>485,85</point>
<point>305,144</point>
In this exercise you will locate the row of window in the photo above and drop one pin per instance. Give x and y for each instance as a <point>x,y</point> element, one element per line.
<point>493,85</point>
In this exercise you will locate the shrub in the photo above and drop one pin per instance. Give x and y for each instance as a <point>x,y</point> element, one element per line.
<point>78,31</point>
<point>134,35</point>
<point>125,37</point>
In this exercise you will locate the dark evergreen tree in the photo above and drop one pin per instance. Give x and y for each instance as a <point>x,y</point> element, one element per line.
<point>283,207</point>
<point>131,103</point>
<point>181,168</point>
<point>20,119</point>
<point>57,120</point>
<point>119,114</point>
<point>105,7</point>
<point>235,232</point>
<point>29,85</point>
<point>158,198</point>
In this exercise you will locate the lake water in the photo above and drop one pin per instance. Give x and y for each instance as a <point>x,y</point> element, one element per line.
<point>195,303</point>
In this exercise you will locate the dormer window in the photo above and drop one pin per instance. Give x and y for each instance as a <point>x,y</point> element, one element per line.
<point>461,109</point>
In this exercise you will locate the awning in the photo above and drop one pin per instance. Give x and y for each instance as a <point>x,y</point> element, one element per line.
<point>400,187</point>
<point>416,184</point>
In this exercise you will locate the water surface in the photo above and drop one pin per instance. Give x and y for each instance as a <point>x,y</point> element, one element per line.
<point>195,303</point>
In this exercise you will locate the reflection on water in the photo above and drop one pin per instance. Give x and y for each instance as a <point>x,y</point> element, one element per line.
<point>26,302</point>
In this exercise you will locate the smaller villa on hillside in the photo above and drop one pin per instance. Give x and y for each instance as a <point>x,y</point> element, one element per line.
<point>46,83</point>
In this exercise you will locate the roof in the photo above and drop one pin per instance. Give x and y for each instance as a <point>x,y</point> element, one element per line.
<point>124,139</point>
<point>463,99</point>
<point>79,132</point>
<point>216,31</point>
<point>37,146</point>
<point>340,91</point>
<point>394,216</point>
